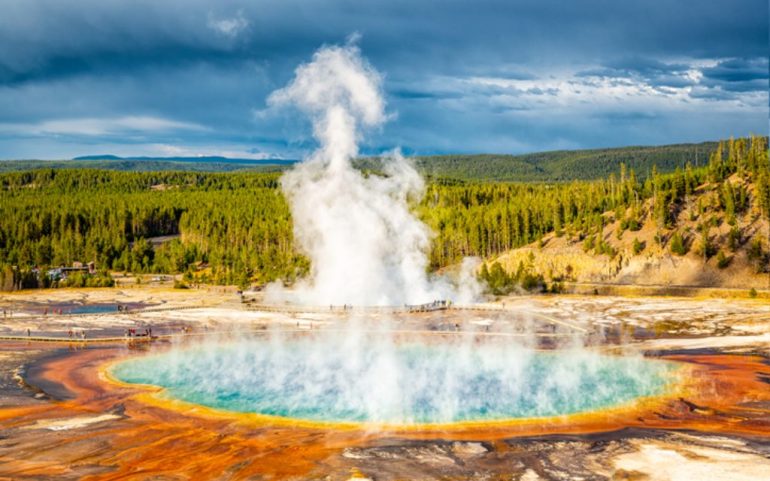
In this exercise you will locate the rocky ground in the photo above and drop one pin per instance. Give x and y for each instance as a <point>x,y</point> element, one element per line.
<point>68,444</point>
<point>620,455</point>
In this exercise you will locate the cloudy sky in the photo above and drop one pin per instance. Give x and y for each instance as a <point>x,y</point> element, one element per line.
<point>191,77</point>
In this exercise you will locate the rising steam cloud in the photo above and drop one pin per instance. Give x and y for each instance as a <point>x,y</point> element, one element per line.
<point>366,246</point>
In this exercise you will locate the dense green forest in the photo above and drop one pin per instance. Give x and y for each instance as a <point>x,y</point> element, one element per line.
<point>553,166</point>
<point>132,165</point>
<point>235,228</point>
<point>488,218</point>
<point>561,165</point>
<point>237,223</point>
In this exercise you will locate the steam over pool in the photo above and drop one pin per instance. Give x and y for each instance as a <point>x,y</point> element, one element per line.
<point>379,381</point>
<point>365,244</point>
<point>366,248</point>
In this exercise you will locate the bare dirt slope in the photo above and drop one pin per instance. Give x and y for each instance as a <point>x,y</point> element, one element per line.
<point>567,256</point>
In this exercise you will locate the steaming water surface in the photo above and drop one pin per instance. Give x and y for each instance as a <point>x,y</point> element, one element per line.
<point>376,380</point>
<point>368,248</point>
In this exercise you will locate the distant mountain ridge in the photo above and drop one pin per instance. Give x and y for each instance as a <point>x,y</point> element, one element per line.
<point>216,159</point>
<point>560,165</point>
<point>552,166</point>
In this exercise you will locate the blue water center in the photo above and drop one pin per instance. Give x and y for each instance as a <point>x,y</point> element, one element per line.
<point>374,379</point>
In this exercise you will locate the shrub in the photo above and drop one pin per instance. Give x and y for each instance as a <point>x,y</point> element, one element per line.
<point>630,224</point>
<point>499,281</point>
<point>531,281</point>
<point>605,248</point>
<point>755,250</point>
<point>722,260</point>
<point>707,248</point>
<point>734,238</point>
<point>678,244</point>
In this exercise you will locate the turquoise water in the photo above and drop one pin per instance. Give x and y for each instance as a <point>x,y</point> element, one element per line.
<point>375,380</point>
<point>94,309</point>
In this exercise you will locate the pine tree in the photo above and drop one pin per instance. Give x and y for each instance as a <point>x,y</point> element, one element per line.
<point>678,245</point>
<point>728,202</point>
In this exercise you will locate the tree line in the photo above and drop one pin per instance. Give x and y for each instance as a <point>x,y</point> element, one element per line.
<point>236,228</point>
<point>733,188</point>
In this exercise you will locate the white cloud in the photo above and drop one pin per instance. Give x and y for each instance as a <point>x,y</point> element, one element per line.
<point>98,126</point>
<point>595,93</point>
<point>229,27</point>
<point>168,150</point>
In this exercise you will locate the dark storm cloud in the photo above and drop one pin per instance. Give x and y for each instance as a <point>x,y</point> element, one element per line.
<point>212,64</point>
<point>42,38</point>
<point>719,82</point>
<point>653,72</point>
<point>416,94</point>
<point>739,70</point>
<point>738,75</point>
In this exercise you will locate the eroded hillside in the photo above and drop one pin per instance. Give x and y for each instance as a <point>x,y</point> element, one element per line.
<point>698,227</point>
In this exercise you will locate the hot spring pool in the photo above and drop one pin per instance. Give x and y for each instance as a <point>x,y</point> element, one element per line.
<point>381,381</point>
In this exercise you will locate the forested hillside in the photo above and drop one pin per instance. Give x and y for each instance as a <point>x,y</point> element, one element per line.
<point>235,228</point>
<point>133,165</point>
<point>697,227</point>
<point>239,224</point>
<point>553,166</point>
<point>563,165</point>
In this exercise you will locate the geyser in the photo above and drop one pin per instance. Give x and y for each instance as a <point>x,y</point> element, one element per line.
<point>375,381</point>
<point>366,246</point>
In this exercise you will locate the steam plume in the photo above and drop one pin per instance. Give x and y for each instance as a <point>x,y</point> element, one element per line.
<point>367,248</point>
<point>365,245</point>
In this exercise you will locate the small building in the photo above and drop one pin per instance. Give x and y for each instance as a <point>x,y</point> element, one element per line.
<point>61,272</point>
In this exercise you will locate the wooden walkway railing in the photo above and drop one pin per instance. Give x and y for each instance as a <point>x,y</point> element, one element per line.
<point>290,309</point>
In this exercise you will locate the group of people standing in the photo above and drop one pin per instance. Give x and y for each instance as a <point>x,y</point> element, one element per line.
<point>133,332</point>
<point>75,334</point>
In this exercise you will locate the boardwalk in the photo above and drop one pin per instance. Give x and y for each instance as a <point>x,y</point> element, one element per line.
<point>442,306</point>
